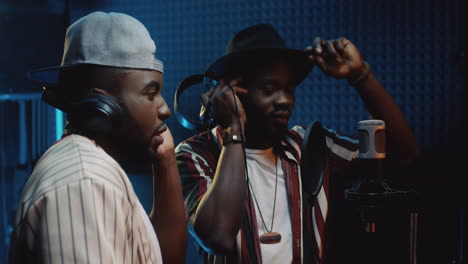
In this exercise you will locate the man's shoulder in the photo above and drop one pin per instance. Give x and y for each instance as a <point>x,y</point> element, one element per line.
<point>77,153</point>
<point>71,160</point>
<point>297,132</point>
<point>207,141</point>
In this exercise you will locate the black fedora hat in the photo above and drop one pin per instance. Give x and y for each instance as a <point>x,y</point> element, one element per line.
<point>255,43</point>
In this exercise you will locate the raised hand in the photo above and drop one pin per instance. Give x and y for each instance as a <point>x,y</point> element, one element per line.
<point>338,58</point>
<point>167,144</point>
<point>227,107</point>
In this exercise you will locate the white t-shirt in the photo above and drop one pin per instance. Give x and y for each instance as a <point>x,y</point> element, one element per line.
<point>262,178</point>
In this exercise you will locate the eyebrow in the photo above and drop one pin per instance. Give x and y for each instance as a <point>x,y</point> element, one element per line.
<point>277,83</point>
<point>271,82</point>
<point>151,84</point>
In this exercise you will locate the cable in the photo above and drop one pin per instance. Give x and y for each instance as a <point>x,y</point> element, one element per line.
<point>236,109</point>
<point>247,179</point>
<point>242,134</point>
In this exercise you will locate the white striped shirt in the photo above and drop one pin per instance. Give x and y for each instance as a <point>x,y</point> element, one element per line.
<point>79,206</point>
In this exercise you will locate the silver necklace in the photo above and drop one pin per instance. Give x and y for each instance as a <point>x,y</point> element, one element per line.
<point>269,237</point>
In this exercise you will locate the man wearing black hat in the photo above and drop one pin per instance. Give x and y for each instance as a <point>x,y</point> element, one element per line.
<point>242,179</point>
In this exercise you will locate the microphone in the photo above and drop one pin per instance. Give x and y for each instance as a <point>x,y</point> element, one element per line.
<point>372,191</point>
<point>371,150</point>
<point>371,139</point>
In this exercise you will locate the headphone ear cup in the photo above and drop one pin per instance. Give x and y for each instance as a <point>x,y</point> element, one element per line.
<point>97,113</point>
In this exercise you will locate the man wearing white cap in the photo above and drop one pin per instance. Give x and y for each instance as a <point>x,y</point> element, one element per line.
<point>79,205</point>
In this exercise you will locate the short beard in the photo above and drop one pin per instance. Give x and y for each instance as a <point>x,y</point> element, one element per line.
<point>134,154</point>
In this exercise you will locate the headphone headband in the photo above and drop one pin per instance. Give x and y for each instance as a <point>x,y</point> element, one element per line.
<point>205,121</point>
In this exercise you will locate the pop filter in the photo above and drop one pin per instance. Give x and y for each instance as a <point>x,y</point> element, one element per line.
<point>313,159</point>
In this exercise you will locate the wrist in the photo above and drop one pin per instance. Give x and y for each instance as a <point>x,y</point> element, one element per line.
<point>361,76</point>
<point>164,155</point>
<point>230,136</point>
<point>236,126</point>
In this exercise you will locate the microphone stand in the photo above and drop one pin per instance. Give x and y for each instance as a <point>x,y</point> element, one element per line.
<point>373,195</point>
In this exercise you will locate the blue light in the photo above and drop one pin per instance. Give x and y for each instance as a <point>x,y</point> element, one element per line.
<point>23,136</point>
<point>58,124</point>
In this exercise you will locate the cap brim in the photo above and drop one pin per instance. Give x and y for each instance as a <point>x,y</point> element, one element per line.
<point>231,63</point>
<point>48,76</point>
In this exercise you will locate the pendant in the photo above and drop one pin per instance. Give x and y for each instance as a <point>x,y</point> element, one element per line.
<point>270,238</point>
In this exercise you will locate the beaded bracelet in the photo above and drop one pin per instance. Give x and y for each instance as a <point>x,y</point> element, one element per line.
<point>362,76</point>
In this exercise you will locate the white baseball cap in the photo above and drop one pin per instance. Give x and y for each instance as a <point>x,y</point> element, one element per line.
<point>106,39</point>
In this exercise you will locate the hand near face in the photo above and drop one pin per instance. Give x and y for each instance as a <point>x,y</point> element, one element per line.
<point>227,107</point>
<point>337,58</point>
<point>163,144</point>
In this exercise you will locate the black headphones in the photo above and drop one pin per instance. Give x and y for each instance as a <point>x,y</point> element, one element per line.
<point>96,113</point>
<point>206,118</point>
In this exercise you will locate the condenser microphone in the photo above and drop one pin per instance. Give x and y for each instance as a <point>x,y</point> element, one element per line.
<point>371,139</point>
<point>372,190</point>
<point>371,149</point>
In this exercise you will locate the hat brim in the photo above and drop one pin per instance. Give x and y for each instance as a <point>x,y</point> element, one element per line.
<point>234,62</point>
<point>49,76</point>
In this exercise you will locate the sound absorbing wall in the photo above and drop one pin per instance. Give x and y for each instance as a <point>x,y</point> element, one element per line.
<point>414,47</point>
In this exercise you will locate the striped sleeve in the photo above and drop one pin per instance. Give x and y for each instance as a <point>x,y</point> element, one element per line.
<point>343,146</point>
<point>343,151</point>
<point>196,175</point>
<point>82,222</point>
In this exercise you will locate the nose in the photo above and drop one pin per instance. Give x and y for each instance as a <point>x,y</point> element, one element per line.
<point>284,99</point>
<point>164,111</point>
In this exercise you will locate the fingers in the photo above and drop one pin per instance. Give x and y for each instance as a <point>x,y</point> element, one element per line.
<point>224,103</point>
<point>318,45</point>
<point>236,81</point>
<point>222,88</point>
<point>215,91</point>
<point>316,48</point>
<point>235,84</point>
<point>340,45</point>
<point>321,52</point>
<point>319,61</point>
<point>324,52</point>
<point>240,90</point>
<point>331,52</point>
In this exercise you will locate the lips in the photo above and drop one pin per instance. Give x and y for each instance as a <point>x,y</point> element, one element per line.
<point>158,131</point>
<point>281,116</point>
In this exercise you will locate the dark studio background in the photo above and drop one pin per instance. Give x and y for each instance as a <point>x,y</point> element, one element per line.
<point>414,47</point>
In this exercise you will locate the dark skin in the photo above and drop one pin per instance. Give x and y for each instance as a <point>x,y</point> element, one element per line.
<point>341,59</point>
<point>144,137</point>
<point>267,100</point>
